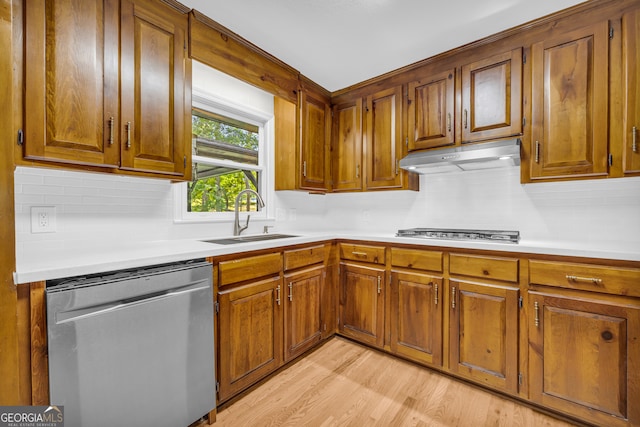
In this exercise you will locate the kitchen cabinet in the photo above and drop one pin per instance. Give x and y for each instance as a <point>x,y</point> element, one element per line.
<point>126,104</point>
<point>362,292</point>
<point>584,355</point>
<point>483,316</point>
<point>315,123</point>
<point>416,302</point>
<point>569,130</point>
<point>384,139</point>
<point>304,282</point>
<point>431,111</point>
<point>346,148</point>
<point>250,335</point>
<point>584,329</point>
<point>302,143</point>
<point>631,58</point>
<point>492,97</point>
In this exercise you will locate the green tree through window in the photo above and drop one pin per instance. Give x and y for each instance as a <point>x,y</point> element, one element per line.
<point>225,163</point>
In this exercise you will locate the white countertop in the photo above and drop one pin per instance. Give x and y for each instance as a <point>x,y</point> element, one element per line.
<point>99,257</point>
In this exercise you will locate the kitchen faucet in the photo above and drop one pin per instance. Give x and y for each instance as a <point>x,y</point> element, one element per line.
<point>237,229</point>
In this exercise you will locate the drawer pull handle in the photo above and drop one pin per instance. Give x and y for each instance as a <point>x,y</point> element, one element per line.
<point>466,113</point>
<point>537,151</point>
<point>128,143</point>
<point>379,288</point>
<point>453,298</point>
<point>290,291</point>
<point>634,137</point>
<point>593,280</point>
<point>536,308</point>
<point>435,291</point>
<point>359,253</point>
<point>449,122</point>
<point>111,123</point>
<point>278,294</point>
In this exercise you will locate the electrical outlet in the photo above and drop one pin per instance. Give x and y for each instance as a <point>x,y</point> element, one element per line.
<point>43,219</point>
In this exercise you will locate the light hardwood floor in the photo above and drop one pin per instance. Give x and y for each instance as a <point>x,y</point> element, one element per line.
<point>346,384</point>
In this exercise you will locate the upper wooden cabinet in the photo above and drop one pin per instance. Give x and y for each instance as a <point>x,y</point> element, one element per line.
<point>431,111</point>
<point>631,58</point>
<point>492,97</point>
<point>346,146</point>
<point>155,119</point>
<point>106,84</point>
<point>569,132</point>
<point>302,143</point>
<point>72,106</point>
<point>384,141</point>
<point>315,125</point>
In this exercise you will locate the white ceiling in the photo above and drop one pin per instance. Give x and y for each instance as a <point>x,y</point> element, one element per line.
<point>338,43</point>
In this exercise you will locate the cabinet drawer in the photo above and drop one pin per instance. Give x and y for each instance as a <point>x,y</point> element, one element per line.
<point>238,270</point>
<point>597,278</point>
<point>418,259</point>
<point>484,267</point>
<point>297,258</point>
<point>364,253</point>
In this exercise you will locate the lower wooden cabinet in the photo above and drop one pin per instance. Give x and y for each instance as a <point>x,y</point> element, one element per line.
<point>484,333</point>
<point>362,303</point>
<point>250,334</point>
<point>416,316</point>
<point>584,356</point>
<point>302,323</point>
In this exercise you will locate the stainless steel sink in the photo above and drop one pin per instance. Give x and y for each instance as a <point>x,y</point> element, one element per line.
<point>247,239</point>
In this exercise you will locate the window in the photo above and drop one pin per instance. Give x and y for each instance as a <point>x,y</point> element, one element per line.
<point>225,162</point>
<point>229,155</point>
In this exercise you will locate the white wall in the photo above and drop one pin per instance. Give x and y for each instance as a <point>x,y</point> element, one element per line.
<point>124,209</point>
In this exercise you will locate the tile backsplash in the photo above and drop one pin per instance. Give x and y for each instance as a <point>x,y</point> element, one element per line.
<point>115,208</point>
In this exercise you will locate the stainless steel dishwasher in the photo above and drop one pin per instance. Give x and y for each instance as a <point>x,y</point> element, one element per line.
<point>133,348</point>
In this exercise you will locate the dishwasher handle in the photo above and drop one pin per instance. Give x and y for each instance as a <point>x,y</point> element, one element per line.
<point>96,310</point>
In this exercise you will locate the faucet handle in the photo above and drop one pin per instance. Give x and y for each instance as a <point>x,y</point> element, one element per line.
<point>266,229</point>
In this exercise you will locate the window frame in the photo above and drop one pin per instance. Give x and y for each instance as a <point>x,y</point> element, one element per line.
<point>265,123</point>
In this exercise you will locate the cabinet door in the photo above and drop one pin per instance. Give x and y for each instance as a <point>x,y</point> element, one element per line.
<point>250,334</point>
<point>71,81</point>
<point>631,138</point>
<point>430,111</point>
<point>492,97</point>
<point>569,131</point>
<point>155,70</point>
<point>484,334</point>
<point>384,139</point>
<point>362,303</point>
<point>584,357</point>
<point>346,152</point>
<point>416,316</point>
<point>302,310</point>
<point>315,133</point>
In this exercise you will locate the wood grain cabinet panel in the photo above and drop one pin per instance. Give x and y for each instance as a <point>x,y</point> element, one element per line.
<point>106,85</point>
<point>584,357</point>
<point>346,150</point>
<point>362,253</point>
<point>71,81</point>
<point>250,334</point>
<point>384,141</point>
<point>431,111</point>
<point>484,267</point>
<point>362,290</point>
<point>248,268</point>
<point>416,316</point>
<point>484,334</point>
<point>492,97</point>
<point>315,119</point>
<point>569,130</point>
<point>631,58</point>
<point>301,299</point>
<point>156,108</point>
<point>417,259</point>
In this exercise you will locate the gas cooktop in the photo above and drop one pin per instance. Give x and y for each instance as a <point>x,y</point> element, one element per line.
<point>502,236</point>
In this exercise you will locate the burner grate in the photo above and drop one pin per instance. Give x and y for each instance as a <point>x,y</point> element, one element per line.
<point>461,234</point>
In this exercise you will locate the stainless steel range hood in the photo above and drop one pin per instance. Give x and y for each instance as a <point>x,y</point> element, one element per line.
<point>487,155</point>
